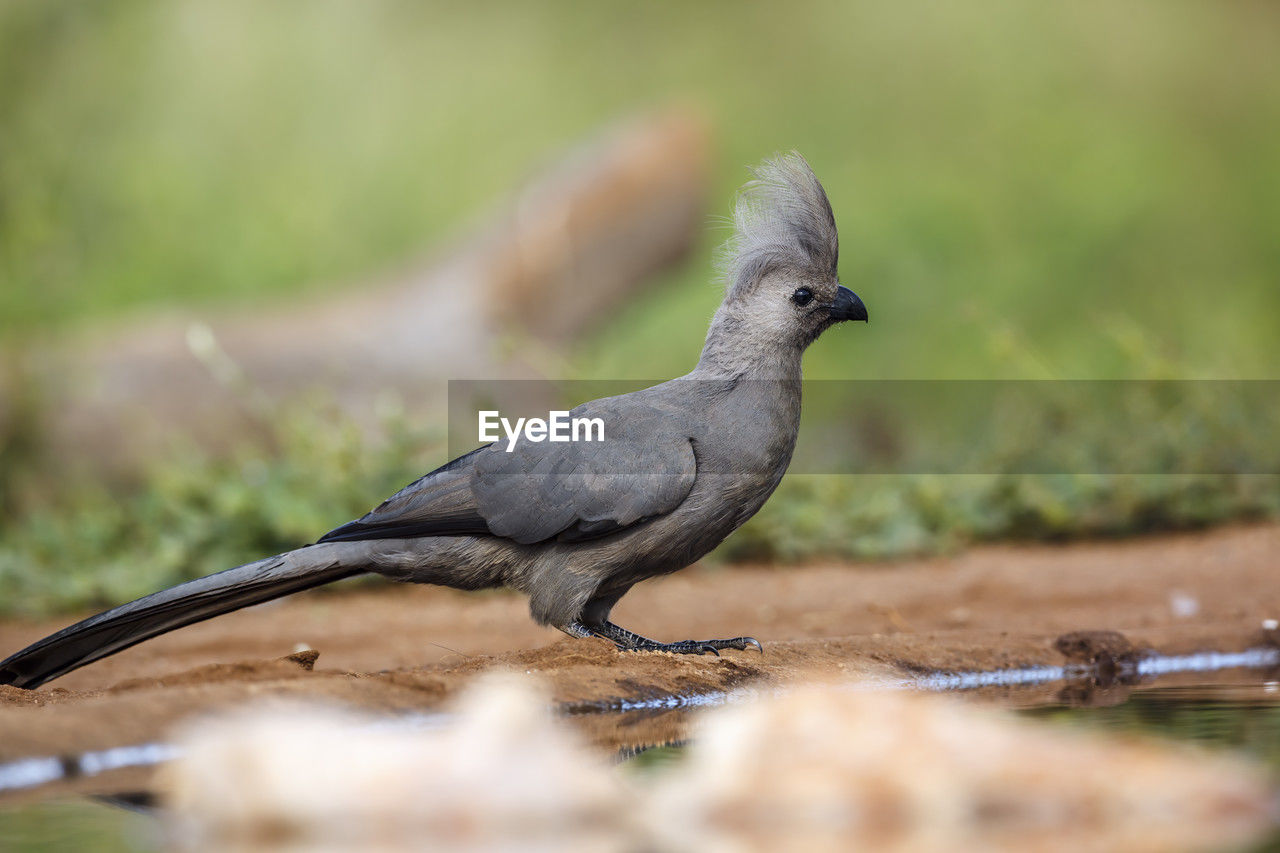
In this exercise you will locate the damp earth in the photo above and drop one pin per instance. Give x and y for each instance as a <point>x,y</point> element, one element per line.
<point>1171,636</point>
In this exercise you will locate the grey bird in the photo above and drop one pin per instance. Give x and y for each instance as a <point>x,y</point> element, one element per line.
<point>575,525</point>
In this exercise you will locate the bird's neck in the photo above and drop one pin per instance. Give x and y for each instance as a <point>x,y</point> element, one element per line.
<point>732,352</point>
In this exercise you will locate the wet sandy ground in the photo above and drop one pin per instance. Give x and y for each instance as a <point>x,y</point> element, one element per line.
<point>405,648</point>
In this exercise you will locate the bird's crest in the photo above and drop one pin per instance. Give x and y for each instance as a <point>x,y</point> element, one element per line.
<point>781,220</point>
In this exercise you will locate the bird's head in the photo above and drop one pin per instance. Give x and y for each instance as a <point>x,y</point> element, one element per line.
<point>780,264</point>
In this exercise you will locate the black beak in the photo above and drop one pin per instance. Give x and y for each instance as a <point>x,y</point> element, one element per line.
<point>848,306</point>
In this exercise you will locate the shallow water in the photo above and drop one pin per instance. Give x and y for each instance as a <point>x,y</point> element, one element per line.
<point>1239,710</point>
<point>1242,717</point>
<point>77,824</point>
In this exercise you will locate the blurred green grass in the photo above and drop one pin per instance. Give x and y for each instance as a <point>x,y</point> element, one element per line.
<point>193,513</point>
<point>1024,191</point>
<point>1021,189</point>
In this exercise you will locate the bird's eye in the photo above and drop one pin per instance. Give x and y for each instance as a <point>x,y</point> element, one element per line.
<point>802,297</point>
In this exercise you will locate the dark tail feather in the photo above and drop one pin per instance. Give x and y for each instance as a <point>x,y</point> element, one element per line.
<point>129,624</point>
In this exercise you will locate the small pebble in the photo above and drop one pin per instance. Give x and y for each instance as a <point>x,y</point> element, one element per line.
<point>1183,606</point>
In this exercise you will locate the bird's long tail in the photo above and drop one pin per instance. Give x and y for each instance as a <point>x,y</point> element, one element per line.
<point>129,624</point>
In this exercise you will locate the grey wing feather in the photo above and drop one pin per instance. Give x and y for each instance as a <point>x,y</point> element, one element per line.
<point>439,504</point>
<point>644,467</point>
<point>574,491</point>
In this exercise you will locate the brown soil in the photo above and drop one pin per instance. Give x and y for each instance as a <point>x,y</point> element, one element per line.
<point>402,648</point>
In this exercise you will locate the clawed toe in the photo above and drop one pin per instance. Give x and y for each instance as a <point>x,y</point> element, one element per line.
<point>686,647</point>
<point>627,641</point>
<point>698,647</point>
<point>739,643</point>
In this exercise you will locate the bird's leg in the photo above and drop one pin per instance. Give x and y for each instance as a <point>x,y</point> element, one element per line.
<point>629,641</point>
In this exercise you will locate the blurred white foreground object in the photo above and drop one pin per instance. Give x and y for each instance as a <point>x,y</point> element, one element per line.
<point>823,768</point>
<point>502,776</point>
<point>839,769</point>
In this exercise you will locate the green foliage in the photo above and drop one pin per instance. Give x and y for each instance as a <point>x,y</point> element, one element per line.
<point>1198,445</point>
<point>195,514</point>
<point>876,517</point>
<point>1024,191</point>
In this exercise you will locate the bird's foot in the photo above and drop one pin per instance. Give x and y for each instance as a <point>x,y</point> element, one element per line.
<point>697,647</point>
<point>629,641</point>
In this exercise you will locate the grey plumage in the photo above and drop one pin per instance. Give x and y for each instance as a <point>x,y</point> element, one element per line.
<point>782,219</point>
<point>575,525</point>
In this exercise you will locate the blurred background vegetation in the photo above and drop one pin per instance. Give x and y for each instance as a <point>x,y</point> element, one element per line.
<point>1028,191</point>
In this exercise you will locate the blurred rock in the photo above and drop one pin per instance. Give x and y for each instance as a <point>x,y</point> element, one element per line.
<point>502,776</point>
<point>1106,657</point>
<point>1182,605</point>
<point>839,769</point>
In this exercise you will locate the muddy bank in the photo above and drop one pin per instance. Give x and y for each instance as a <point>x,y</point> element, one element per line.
<point>400,649</point>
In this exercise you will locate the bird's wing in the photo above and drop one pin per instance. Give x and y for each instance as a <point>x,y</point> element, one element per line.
<point>438,504</point>
<point>643,468</point>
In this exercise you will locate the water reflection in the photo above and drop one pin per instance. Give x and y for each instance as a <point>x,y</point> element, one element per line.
<point>1241,716</point>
